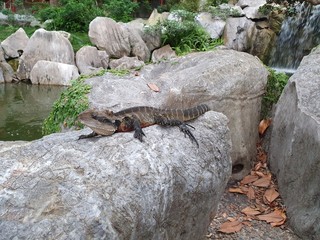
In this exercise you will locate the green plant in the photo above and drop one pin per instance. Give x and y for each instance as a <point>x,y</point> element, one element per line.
<point>119,72</point>
<point>121,10</point>
<point>275,85</point>
<point>72,15</point>
<point>66,109</point>
<point>216,2</point>
<point>223,13</point>
<point>265,9</point>
<point>184,36</point>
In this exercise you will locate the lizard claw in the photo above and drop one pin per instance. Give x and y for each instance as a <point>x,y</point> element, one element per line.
<point>184,128</point>
<point>138,133</point>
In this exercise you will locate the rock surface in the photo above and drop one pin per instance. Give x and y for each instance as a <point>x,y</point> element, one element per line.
<point>126,63</point>
<point>228,81</point>
<point>13,43</point>
<point>115,187</point>
<point>237,33</point>
<point>89,59</point>
<point>295,147</point>
<point>53,73</point>
<point>213,26</point>
<point>6,71</point>
<point>110,36</point>
<point>45,45</point>
<point>163,53</point>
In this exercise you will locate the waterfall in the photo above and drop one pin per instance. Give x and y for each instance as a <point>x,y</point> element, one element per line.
<point>299,34</point>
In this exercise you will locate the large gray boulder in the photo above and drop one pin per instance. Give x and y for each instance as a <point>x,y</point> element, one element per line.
<point>213,26</point>
<point>45,45</point>
<point>110,36</point>
<point>238,33</point>
<point>118,39</point>
<point>228,81</point>
<point>115,187</point>
<point>138,47</point>
<point>6,71</point>
<point>295,147</point>
<point>53,73</point>
<point>13,43</point>
<point>89,60</point>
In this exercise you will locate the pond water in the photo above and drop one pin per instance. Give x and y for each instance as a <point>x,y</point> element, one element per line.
<point>23,107</point>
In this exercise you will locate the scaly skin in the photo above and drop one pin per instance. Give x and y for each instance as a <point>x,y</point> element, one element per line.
<point>135,118</point>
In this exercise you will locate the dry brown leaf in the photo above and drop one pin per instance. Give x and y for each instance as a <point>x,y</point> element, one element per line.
<point>230,227</point>
<point>250,211</point>
<point>153,87</point>
<point>235,190</point>
<point>258,166</point>
<point>260,174</point>
<point>271,194</point>
<point>276,216</point>
<point>262,182</point>
<point>263,125</point>
<point>244,189</point>
<point>231,219</point>
<point>249,179</point>
<point>251,194</point>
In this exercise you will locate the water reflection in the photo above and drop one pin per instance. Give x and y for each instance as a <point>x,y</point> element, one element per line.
<point>23,108</point>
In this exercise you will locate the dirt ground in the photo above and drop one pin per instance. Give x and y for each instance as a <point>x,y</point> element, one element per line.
<point>230,206</point>
<point>250,207</point>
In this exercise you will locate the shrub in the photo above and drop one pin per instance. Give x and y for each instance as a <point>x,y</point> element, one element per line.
<point>121,10</point>
<point>276,83</point>
<point>73,15</point>
<point>66,109</point>
<point>222,13</point>
<point>184,36</point>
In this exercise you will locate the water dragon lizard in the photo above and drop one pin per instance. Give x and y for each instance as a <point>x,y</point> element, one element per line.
<point>134,119</point>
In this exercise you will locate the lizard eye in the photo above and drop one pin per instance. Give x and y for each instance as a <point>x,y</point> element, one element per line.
<point>117,123</point>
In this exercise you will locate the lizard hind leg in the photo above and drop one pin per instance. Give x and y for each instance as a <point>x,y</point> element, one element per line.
<point>185,129</point>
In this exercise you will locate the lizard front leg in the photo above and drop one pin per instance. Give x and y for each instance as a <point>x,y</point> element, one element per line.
<point>138,133</point>
<point>184,127</point>
<point>90,135</point>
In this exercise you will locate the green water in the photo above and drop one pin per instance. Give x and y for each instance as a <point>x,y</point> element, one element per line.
<point>23,108</point>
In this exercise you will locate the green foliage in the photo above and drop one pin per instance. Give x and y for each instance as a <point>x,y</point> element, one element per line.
<point>121,10</point>
<point>66,109</point>
<point>275,85</point>
<point>72,15</point>
<point>188,5</point>
<point>78,40</point>
<point>184,36</point>
<point>119,72</point>
<point>6,31</point>
<point>265,9</point>
<point>216,2</point>
<point>222,13</point>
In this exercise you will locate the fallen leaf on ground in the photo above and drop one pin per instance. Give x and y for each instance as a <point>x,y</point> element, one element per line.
<point>260,174</point>
<point>262,182</point>
<point>258,166</point>
<point>263,125</point>
<point>271,194</point>
<point>250,211</point>
<point>276,218</point>
<point>251,195</point>
<point>249,179</point>
<point>153,87</point>
<point>230,227</point>
<point>235,190</point>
